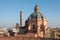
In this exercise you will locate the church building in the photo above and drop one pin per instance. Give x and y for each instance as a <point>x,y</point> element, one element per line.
<point>36,24</point>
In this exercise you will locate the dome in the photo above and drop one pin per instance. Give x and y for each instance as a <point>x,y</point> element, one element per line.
<point>37,15</point>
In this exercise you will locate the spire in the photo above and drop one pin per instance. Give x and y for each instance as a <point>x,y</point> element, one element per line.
<point>36,8</point>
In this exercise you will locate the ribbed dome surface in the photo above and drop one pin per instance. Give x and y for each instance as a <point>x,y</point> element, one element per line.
<point>36,15</point>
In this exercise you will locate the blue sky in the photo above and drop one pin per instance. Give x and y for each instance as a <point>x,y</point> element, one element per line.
<point>10,9</point>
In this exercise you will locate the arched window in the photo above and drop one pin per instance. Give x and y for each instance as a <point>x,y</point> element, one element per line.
<point>41,27</point>
<point>34,28</point>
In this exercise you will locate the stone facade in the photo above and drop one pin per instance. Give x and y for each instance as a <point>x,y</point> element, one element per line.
<point>52,33</point>
<point>36,23</point>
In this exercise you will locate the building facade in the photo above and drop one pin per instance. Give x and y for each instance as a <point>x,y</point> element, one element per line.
<point>36,23</point>
<point>3,30</point>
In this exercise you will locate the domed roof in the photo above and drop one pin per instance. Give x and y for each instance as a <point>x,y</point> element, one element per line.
<point>36,15</point>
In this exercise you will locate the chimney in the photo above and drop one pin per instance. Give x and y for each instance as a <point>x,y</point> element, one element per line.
<point>21,18</point>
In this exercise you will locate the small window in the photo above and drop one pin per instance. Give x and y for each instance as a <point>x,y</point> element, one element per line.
<point>33,26</point>
<point>34,29</point>
<point>41,27</point>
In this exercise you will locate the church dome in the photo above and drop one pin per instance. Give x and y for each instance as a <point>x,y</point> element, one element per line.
<point>37,15</point>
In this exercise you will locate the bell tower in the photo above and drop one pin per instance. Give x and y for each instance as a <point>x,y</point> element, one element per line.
<point>21,18</point>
